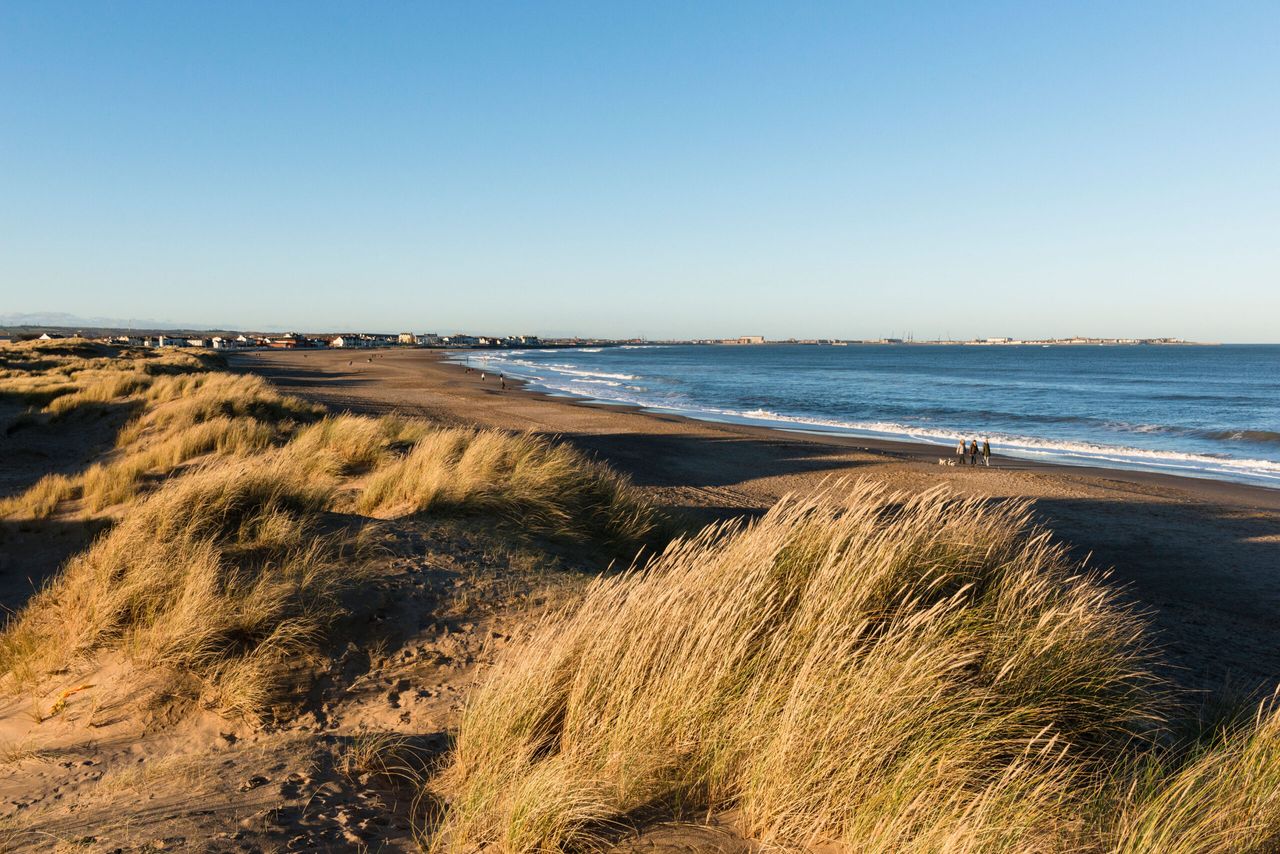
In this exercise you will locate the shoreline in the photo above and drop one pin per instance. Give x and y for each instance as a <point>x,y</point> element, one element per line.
<point>1009,443</point>
<point>1219,489</point>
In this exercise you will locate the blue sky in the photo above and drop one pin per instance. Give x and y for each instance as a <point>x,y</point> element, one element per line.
<point>659,169</point>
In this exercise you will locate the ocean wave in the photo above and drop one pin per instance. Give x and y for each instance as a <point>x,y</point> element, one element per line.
<point>1266,437</point>
<point>573,370</point>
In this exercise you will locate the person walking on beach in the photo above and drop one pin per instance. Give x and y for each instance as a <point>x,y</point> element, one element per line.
<point>502,381</point>
<point>973,452</point>
<point>960,452</point>
<point>482,376</point>
<point>986,452</point>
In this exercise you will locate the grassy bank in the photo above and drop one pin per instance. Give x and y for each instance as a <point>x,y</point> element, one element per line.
<point>233,537</point>
<point>876,671</point>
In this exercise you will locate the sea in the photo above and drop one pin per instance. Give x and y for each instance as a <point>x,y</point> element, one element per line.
<point>1202,411</point>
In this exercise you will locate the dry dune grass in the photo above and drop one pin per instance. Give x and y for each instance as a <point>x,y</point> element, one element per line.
<point>349,444</point>
<point>184,416</point>
<point>216,567</point>
<point>96,386</point>
<point>541,486</point>
<point>188,416</point>
<point>62,376</point>
<point>877,671</point>
<point>1223,798</point>
<point>39,501</point>
<point>221,574</point>
<point>189,410</point>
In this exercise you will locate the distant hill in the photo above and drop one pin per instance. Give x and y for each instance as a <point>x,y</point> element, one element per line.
<point>63,319</point>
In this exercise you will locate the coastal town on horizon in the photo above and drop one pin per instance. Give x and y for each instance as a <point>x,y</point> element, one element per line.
<point>235,340</point>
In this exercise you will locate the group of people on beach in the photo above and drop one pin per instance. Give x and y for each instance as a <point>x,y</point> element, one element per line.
<point>502,379</point>
<point>973,451</point>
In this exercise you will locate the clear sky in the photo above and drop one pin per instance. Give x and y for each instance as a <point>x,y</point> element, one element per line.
<point>659,169</point>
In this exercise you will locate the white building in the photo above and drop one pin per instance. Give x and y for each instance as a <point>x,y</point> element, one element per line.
<point>220,343</point>
<point>349,341</point>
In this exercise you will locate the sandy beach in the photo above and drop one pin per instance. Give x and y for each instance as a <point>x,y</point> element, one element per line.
<point>1201,556</point>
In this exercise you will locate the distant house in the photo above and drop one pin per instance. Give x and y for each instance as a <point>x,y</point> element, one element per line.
<point>407,338</point>
<point>51,336</point>
<point>745,339</point>
<point>349,341</point>
<point>220,343</point>
<point>197,342</point>
<point>460,340</point>
<point>287,342</point>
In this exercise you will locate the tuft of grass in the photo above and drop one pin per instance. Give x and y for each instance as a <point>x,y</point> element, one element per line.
<point>540,486</point>
<point>108,484</point>
<point>99,387</point>
<point>41,500</point>
<point>1223,798</point>
<point>390,755</point>
<point>874,670</point>
<point>349,444</point>
<point>222,574</point>
<point>17,752</point>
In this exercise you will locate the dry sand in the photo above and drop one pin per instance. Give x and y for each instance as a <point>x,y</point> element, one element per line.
<point>1203,556</point>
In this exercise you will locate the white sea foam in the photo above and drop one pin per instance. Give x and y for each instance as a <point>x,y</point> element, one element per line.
<point>573,370</point>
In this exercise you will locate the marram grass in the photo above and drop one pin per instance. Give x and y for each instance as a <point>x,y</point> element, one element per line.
<point>866,670</point>
<point>541,486</point>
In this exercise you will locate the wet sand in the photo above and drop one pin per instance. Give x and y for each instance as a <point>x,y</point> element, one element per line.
<point>1202,556</point>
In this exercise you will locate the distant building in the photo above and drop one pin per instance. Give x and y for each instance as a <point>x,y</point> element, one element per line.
<point>459,341</point>
<point>238,343</point>
<point>287,342</point>
<point>407,338</point>
<point>745,339</point>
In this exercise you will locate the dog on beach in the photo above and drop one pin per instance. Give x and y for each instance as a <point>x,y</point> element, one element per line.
<point>946,461</point>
